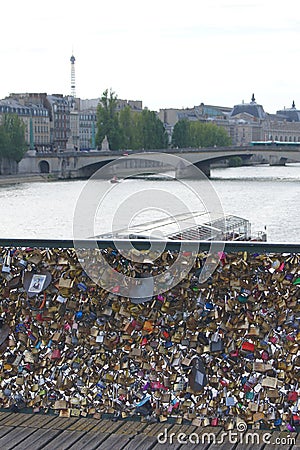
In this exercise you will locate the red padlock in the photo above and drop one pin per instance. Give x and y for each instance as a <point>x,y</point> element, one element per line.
<point>296,419</point>
<point>292,396</point>
<point>144,342</point>
<point>248,346</point>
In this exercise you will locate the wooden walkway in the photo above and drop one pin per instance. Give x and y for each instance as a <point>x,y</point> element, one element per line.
<point>36,432</point>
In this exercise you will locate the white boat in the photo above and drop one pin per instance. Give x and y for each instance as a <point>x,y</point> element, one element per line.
<point>192,226</point>
<point>115,179</point>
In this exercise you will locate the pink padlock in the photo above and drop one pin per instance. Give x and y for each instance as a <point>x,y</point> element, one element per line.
<point>264,355</point>
<point>56,354</point>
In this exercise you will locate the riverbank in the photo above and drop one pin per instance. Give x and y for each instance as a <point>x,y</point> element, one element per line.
<point>30,178</point>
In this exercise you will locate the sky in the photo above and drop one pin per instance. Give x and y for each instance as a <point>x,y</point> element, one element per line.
<point>166,53</point>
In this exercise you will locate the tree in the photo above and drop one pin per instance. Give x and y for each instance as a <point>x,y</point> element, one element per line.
<point>150,131</point>
<point>12,138</point>
<point>180,136</point>
<point>199,134</point>
<point>107,121</point>
<point>235,161</point>
<point>127,128</point>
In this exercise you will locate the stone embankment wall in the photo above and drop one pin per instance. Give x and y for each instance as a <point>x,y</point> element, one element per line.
<point>8,167</point>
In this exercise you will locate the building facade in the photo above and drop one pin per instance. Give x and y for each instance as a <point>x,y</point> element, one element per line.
<point>65,123</point>
<point>245,122</point>
<point>35,117</point>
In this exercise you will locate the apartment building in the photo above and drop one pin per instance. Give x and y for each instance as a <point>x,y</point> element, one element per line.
<point>35,117</point>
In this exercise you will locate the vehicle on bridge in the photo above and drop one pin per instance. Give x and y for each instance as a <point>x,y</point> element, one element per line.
<point>274,144</point>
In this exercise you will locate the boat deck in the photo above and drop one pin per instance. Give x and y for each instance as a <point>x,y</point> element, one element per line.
<point>192,226</point>
<point>21,431</point>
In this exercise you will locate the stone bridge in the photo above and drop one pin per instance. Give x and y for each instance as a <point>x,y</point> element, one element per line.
<point>83,164</point>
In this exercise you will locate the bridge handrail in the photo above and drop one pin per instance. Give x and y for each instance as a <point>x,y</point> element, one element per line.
<point>141,244</point>
<point>87,154</point>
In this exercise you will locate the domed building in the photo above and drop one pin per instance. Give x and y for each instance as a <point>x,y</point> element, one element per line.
<point>290,114</point>
<point>252,123</point>
<point>251,109</point>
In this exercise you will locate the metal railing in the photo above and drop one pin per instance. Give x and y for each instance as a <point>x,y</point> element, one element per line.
<point>141,244</point>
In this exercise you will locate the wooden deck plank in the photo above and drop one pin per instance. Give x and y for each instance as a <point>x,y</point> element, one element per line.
<point>14,437</point>
<point>173,437</point>
<point>38,439</point>
<point>142,442</point>
<point>4,415</point>
<point>38,420</point>
<point>175,445</point>
<point>147,438</point>
<point>154,429</point>
<point>20,431</point>
<point>131,428</point>
<point>4,430</point>
<point>224,446</point>
<point>90,441</point>
<point>83,424</point>
<point>60,423</point>
<point>64,440</point>
<point>137,427</point>
<point>106,426</point>
<point>201,438</point>
<point>114,441</point>
<point>16,420</point>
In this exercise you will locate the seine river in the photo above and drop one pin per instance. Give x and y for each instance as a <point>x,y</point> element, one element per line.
<point>266,196</point>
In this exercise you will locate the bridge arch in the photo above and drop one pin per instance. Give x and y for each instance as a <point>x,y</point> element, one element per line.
<point>121,167</point>
<point>89,169</point>
<point>44,166</point>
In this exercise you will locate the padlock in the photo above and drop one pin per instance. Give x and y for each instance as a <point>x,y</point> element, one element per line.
<point>6,269</point>
<point>292,396</point>
<point>269,382</point>
<point>248,346</point>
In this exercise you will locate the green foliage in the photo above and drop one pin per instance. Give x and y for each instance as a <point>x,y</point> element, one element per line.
<point>107,121</point>
<point>235,161</point>
<point>199,134</point>
<point>128,130</point>
<point>150,131</point>
<point>127,124</point>
<point>12,138</point>
<point>180,136</point>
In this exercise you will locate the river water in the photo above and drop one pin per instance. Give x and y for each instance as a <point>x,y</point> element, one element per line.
<point>266,196</point>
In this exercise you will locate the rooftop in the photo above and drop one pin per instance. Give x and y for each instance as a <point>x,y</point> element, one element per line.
<point>187,226</point>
